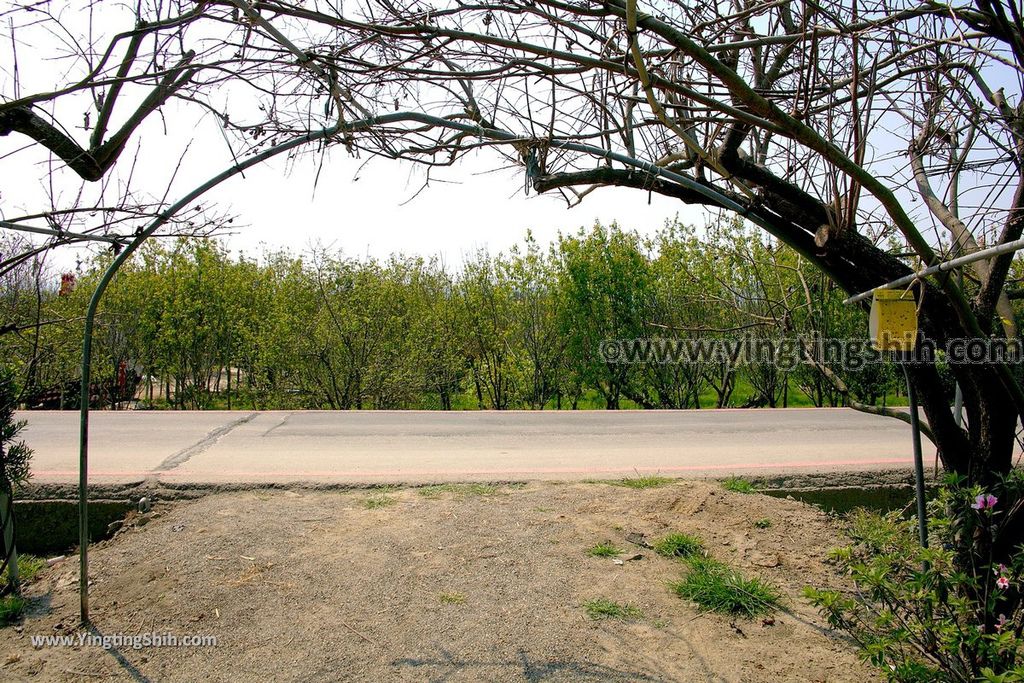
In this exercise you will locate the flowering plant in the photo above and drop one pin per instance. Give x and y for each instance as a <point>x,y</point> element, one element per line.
<point>949,612</point>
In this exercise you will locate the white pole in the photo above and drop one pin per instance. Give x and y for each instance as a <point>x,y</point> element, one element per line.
<point>941,268</point>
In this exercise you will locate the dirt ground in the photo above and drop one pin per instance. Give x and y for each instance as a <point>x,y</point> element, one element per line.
<point>309,585</point>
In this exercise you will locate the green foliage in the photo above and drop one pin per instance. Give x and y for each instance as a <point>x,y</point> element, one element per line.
<point>649,481</point>
<point>28,567</point>
<point>763,523</point>
<point>716,587</point>
<point>15,456</point>
<point>462,490</point>
<point>951,612</point>
<point>379,501</point>
<point>602,608</point>
<point>738,485</point>
<point>606,549</point>
<point>679,545</point>
<point>11,607</point>
<point>206,329</point>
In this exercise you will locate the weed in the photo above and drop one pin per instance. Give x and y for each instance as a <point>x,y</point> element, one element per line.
<point>462,490</point>
<point>605,549</point>
<point>716,587</point>
<point>649,481</point>
<point>452,598</point>
<point>738,485</point>
<point>11,607</point>
<point>379,501</point>
<point>763,523</point>
<point>602,608</point>
<point>679,545</point>
<point>28,567</point>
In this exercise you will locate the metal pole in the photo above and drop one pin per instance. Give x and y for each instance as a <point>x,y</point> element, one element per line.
<point>942,267</point>
<point>915,426</point>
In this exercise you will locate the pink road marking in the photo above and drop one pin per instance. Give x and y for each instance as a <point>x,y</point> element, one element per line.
<point>537,470</point>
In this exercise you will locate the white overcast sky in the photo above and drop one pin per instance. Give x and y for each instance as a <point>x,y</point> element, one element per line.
<point>356,207</point>
<point>359,208</point>
<point>465,208</point>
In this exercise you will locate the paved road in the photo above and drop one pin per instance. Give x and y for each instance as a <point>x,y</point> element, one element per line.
<point>411,447</point>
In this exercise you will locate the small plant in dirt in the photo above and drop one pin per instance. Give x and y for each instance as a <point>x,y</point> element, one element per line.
<point>716,587</point>
<point>606,549</point>
<point>11,607</point>
<point>738,485</point>
<point>602,608</point>
<point>943,613</point>
<point>648,481</point>
<point>28,567</point>
<point>763,523</point>
<point>463,490</point>
<point>679,545</point>
<point>452,598</point>
<point>378,501</point>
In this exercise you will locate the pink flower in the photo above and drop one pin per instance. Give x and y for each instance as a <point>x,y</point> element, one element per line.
<point>1000,570</point>
<point>1001,623</point>
<point>984,501</point>
<point>1003,582</point>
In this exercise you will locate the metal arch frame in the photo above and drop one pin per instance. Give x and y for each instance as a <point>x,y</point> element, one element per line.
<point>324,134</point>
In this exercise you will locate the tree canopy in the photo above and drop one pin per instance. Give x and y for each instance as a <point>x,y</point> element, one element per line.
<point>860,134</point>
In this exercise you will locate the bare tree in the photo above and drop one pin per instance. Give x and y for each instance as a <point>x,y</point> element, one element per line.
<point>838,129</point>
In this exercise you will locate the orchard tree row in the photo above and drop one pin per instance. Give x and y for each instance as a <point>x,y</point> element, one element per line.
<point>187,325</point>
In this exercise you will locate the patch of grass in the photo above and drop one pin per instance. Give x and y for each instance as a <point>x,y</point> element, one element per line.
<point>11,607</point>
<point>679,545</point>
<point>602,608</point>
<point>452,598</point>
<point>716,587</point>
<point>464,490</point>
<point>28,567</point>
<point>379,501</point>
<point>606,549</point>
<point>763,523</point>
<point>738,485</point>
<point>648,481</point>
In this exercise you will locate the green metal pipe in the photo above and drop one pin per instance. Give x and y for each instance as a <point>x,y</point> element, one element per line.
<point>90,317</point>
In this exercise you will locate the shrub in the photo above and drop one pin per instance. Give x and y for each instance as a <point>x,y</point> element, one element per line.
<point>15,457</point>
<point>738,485</point>
<point>950,612</point>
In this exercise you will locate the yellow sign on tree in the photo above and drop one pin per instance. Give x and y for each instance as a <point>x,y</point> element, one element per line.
<point>892,324</point>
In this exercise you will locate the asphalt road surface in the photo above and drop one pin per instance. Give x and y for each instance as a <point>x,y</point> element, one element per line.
<point>415,447</point>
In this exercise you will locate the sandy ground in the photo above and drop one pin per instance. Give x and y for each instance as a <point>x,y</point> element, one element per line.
<point>315,586</point>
